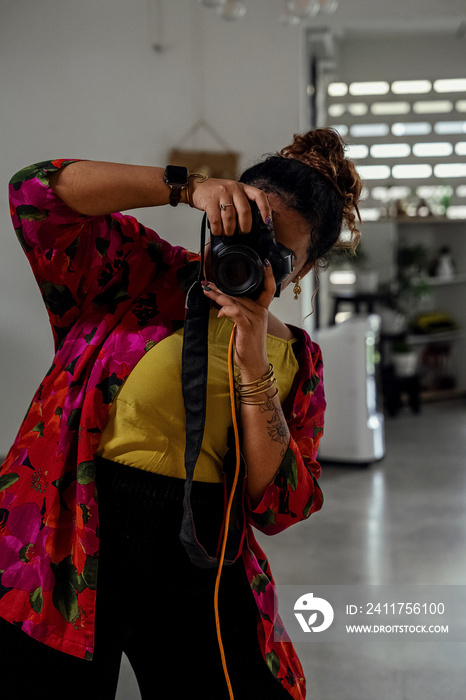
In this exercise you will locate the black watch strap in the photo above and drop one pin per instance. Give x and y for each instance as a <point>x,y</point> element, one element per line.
<point>175,195</point>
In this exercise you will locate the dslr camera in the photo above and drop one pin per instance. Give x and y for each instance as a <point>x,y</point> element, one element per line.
<point>238,260</point>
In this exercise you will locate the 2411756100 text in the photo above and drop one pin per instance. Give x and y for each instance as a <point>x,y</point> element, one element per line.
<point>396,609</point>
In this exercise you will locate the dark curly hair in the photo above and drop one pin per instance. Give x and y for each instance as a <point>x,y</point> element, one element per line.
<point>314,178</point>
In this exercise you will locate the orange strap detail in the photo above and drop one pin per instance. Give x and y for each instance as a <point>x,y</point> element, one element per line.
<point>227,515</point>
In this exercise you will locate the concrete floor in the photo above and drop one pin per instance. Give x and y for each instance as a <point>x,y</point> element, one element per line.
<point>402,520</point>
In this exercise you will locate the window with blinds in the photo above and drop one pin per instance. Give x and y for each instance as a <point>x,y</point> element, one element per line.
<point>408,140</point>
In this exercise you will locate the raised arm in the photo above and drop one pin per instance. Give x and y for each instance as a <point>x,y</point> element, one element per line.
<point>97,188</point>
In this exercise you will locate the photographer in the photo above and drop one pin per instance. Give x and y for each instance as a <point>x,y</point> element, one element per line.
<point>97,473</point>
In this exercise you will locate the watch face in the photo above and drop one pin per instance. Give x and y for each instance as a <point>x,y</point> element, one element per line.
<point>176,175</point>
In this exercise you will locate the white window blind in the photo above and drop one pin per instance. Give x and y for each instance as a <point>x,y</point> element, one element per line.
<point>408,140</point>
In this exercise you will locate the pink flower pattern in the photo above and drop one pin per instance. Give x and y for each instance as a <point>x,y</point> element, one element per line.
<point>23,556</point>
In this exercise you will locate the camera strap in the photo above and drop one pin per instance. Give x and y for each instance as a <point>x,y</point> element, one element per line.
<point>194,386</point>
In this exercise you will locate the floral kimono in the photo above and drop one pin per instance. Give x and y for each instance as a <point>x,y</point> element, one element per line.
<point>113,289</point>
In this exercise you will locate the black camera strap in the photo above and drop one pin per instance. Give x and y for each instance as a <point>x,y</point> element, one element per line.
<point>194,385</point>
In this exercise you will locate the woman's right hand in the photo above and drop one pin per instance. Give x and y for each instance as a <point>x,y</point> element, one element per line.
<point>210,194</point>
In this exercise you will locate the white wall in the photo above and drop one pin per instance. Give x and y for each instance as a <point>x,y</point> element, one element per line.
<point>80,79</point>
<point>401,57</point>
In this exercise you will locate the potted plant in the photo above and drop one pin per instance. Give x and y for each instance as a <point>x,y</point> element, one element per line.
<point>366,279</point>
<point>404,358</point>
<point>412,287</point>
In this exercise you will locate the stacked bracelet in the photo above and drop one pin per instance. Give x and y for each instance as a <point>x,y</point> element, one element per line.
<point>258,386</point>
<point>189,195</point>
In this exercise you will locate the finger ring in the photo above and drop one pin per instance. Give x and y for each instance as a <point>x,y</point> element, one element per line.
<point>224,206</point>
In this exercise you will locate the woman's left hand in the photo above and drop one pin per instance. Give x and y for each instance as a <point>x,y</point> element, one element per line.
<point>251,320</point>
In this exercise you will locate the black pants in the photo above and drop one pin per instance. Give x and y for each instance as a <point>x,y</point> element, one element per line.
<point>153,605</point>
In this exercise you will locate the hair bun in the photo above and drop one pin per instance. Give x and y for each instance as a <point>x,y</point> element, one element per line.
<point>324,150</point>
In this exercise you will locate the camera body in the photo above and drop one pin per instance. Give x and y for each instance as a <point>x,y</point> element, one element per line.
<point>238,260</point>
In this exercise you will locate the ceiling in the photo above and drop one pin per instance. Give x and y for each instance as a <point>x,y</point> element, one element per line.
<point>406,16</point>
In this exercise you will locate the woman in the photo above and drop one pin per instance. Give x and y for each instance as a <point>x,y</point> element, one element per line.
<point>110,412</point>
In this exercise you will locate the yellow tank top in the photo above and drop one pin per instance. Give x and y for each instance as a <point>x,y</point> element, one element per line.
<point>146,427</point>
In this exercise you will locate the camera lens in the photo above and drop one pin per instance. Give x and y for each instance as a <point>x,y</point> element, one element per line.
<point>236,272</point>
<point>239,271</point>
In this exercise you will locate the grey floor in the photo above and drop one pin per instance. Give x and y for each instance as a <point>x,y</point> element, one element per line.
<point>402,520</point>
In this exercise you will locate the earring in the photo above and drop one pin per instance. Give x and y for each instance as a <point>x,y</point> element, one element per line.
<point>297,288</point>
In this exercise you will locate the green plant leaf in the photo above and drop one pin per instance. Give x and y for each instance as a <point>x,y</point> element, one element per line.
<point>273,662</point>
<point>39,428</point>
<point>308,506</point>
<point>264,519</point>
<point>89,574</point>
<point>67,582</point>
<point>37,600</point>
<point>7,480</point>
<point>86,473</point>
<point>27,212</point>
<point>289,469</point>
<point>310,385</point>
<point>259,583</point>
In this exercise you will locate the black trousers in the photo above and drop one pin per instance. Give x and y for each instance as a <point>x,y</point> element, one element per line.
<point>153,605</point>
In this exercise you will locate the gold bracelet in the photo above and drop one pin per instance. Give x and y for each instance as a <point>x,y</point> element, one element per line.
<point>258,386</point>
<point>265,377</point>
<point>202,178</point>
<point>259,403</point>
<point>251,391</point>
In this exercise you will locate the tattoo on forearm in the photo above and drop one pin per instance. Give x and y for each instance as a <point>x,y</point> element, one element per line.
<point>278,429</point>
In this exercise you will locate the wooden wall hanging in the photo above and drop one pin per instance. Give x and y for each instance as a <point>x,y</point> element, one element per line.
<point>223,164</point>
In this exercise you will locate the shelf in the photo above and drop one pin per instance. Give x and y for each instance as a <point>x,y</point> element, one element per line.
<point>447,347</point>
<point>429,395</point>
<point>425,220</point>
<point>423,338</point>
<point>440,281</point>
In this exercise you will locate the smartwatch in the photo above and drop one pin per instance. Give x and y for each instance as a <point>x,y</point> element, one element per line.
<point>176,177</point>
